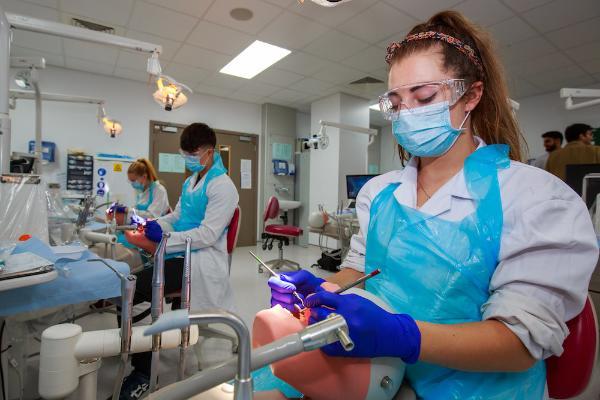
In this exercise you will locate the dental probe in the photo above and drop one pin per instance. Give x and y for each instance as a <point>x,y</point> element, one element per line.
<point>275,274</point>
<point>357,282</point>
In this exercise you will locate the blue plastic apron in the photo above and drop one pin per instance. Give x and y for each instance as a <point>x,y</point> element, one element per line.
<point>439,271</point>
<point>193,202</point>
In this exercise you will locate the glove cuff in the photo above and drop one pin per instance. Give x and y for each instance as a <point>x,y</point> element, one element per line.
<point>409,347</point>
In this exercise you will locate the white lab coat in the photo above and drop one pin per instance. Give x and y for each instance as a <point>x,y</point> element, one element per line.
<point>210,261</point>
<point>159,205</point>
<point>548,247</point>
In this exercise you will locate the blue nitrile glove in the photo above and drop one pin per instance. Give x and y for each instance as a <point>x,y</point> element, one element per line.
<point>153,231</point>
<point>116,208</point>
<point>302,281</point>
<point>137,220</point>
<point>375,332</point>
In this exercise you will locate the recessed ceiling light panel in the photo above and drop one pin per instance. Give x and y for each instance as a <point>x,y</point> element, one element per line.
<point>254,59</point>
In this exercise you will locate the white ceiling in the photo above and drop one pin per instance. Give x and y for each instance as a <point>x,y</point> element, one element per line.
<point>545,44</point>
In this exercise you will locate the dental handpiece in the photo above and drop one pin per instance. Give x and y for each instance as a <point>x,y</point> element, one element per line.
<point>275,274</point>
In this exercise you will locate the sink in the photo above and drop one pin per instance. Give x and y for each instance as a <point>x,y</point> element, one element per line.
<point>288,204</point>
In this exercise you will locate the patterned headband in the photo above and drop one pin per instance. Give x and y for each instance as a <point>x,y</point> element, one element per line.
<point>451,40</point>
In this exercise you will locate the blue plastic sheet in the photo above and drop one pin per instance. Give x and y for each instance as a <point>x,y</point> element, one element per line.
<point>79,280</point>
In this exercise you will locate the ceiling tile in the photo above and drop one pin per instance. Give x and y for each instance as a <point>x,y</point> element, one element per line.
<point>330,16</point>
<point>557,77</point>
<point>212,90</point>
<point>302,63</point>
<point>338,74</point>
<point>380,73</point>
<point>233,83</point>
<point>591,66</point>
<point>368,59</point>
<point>132,60</point>
<point>484,12</point>
<point>578,34</point>
<point>51,59</point>
<point>135,75</point>
<point>201,58</point>
<point>195,8</point>
<point>31,10</point>
<point>539,64</point>
<point>46,3</point>
<point>247,97</point>
<point>282,3</point>
<point>91,51</point>
<point>291,31</point>
<point>519,88</point>
<point>161,21</point>
<point>169,47</point>
<point>259,89</point>
<point>89,66</point>
<point>289,95</point>
<point>263,14</point>
<point>335,46</point>
<point>38,41</point>
<point>377,22</point>
<point>585,52</point>
<point>561,13</point>
<point>311,86</point>
<point>524,5</point>
<point>422,9</point>
<point>278,77</point>
<point>111,12</point>
<point>219,38</point>
<point>190,76</point>
<point>527,49</point>
<point>511,31</point>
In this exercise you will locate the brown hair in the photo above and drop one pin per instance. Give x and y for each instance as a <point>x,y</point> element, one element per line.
<point>492,119</point>
<point>141,167</point>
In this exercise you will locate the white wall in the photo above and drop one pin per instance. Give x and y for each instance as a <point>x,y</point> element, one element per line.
<point>539,114</point>
<point>302,124</point>
<point>75,125</point>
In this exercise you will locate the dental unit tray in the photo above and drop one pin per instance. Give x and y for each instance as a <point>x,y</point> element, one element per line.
<point>23,265</point>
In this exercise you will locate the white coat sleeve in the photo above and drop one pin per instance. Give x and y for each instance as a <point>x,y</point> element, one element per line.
<point>166,221</point>
<point>355,258</point>
<point>548,253</point>
<point>222,201</point>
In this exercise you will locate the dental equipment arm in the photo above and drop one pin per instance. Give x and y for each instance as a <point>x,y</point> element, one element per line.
<point>569,94</point>
<point>185,304</point>
<point>310,338</point>
<point>158,295</point>
<point>128,284</point>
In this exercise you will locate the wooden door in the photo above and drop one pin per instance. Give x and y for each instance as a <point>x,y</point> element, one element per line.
<point>240,152</point>
<point>234,147</point>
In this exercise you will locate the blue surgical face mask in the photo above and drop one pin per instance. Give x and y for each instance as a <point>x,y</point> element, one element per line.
<point>137,186</point>
<point>193,164</point>
<point>426,131</point>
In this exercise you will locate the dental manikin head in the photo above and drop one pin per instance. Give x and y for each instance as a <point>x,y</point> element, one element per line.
<point>319,376</point>
<point>138,238</point>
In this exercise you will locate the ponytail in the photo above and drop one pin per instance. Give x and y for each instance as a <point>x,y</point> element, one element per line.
<point>141,167</point>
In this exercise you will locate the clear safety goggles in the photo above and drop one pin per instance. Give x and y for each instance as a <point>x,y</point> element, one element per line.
<point>192,157</point>
<point>412,96</point>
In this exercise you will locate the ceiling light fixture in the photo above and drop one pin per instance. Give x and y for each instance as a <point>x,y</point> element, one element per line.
<point>374,107</point>
<point>254,59</point>
<point>327,3</point>
<point>241,14</point>
<point>169,93</point>
<point>111,126</point>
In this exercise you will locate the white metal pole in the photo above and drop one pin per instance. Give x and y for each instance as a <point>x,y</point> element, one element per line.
<point>5,37</point>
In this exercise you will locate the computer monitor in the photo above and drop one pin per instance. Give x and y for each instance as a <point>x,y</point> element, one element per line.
<point>354,183</point>
<point>574,174</point>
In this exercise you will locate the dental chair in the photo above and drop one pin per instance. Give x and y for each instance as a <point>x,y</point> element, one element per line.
<point>568,376</point>
<point>280,233</point>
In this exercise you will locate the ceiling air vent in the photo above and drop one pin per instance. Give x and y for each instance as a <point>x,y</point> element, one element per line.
<point>366,79</point>
<point>92,26</point>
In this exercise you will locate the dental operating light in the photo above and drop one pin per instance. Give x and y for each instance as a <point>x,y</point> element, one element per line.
<point>169,93</point>
<point>110,126</point>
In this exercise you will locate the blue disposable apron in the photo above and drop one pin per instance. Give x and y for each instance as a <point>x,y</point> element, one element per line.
<point>439,271</point>
<point>138,206</point>
<point>193,202</point>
